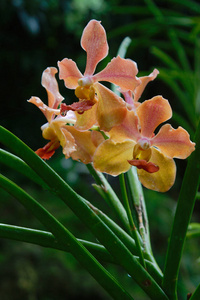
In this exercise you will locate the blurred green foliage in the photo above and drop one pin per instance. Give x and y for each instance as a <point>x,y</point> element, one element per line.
<point>36,34</point>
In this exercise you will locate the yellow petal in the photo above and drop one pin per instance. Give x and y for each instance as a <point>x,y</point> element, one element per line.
<point>86,120</point>
<point>111,157</point>
<point>86,144</point>
<point>162,180</point>
<point>111,109</point>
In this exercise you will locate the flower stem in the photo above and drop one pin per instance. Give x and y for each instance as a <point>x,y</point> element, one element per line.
<point>182,218</point>
<point>66,239</point>
<point>130,218</point>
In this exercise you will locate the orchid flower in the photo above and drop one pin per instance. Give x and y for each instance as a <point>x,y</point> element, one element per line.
<point>133,143</point>
<point>119,71</point>
<point>78,145</point>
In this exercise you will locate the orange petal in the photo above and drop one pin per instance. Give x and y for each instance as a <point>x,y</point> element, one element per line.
<point>111,109</point>
<point>152,113</point>
<point>94,42</point>
<point>143,164</point>
<point>48,150</point>
<point>162,180</point>
<point>173,142</point>
<point>69,72</point>
<point>121,72</point>
<point>86,120</point>
<point>85,146</point>
<point>128,129</point>
<point>49,82</point>
<point>144,81</point>
<point>111,157</point>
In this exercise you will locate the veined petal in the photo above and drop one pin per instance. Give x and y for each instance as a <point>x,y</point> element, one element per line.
<point>128,129</point>
<point>162,180</point>
<point>69,72</point>
<point>49,82</point>
<point>144,81</point>
<point>152,113</point>
<point>173,142</point>
<point>67,140</point>
<point>85,147</point>
<point>111,109</point>
<point>121,72</point>
<point>111,157</point>
<point>94,42</point>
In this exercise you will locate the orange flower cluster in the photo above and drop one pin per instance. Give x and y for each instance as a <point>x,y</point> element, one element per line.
<point>112,132</point>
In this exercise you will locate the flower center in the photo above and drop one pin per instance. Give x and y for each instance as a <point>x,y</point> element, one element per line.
<point>141,154</point>
<point>85,81</point>
<point>144,143</point>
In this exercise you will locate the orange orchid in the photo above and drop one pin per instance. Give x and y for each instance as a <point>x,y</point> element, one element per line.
<point>78,145</point>
<point>119,71</point>
<point>133,143</point>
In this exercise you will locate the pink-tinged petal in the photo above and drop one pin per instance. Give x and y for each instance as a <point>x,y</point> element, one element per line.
<point>112,158</point>
<point>121,72</point>
<point>86,120</point>
<point>48,150</point>
<point>144,165</point>
<point>173,142</point>
<point>85,147</point>
<point>162,180</point>
<point>128,129</point>
<point>69,72</point>
<point>111,109</point>
<point>49,82</point>
<point>144,81</point>
<point>94,42</point>
<point>152,113</point>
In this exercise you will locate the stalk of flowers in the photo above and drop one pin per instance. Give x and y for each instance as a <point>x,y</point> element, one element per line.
<point>58,129</point>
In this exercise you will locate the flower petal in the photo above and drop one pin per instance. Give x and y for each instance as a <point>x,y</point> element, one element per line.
<point>144,81</point>
<point>48,150</point>
<point>49,82</point>
<point>86,120</point>
<point>121,72</point>
<point>111,157</point>
<point>94,42</point>
<point>85,147</point>
<point>152,113</point>
<point>69,72</point>
<point>48,112</point>
<point>128,129</point>
<point>111,109</point>
<point>162,180</point>
<point>173,142</point>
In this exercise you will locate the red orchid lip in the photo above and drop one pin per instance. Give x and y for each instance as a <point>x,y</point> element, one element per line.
<point>143,164</point>
<point>80,107</point>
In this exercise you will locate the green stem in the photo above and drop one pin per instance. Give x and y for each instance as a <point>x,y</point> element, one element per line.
<point>182,218</point>
<point>47,239</point>
<point>84,213</point>
<point>67,239</point>
<point>131,222</point>
<point>20,166</point>
<point>110,196</point>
